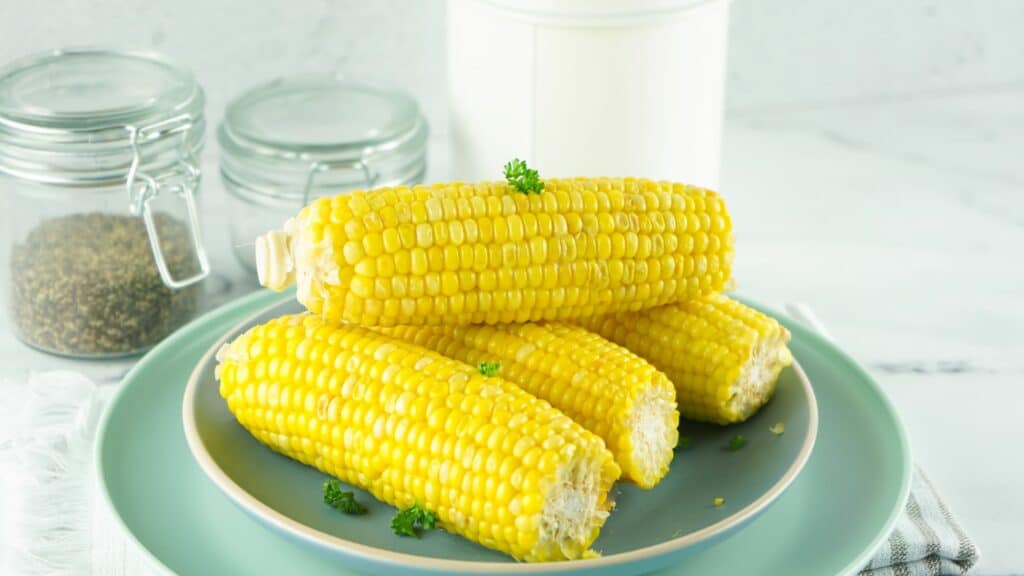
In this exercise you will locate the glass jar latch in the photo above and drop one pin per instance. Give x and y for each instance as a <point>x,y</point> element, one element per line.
<point>182,181</point>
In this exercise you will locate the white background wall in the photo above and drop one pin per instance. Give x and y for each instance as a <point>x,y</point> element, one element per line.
<point>789,54</point>
<point>785,55</point>
<point>234,44</point>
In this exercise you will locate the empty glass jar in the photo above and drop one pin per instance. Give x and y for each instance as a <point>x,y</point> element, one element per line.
<point>98,176</point>
<point>288,142</point>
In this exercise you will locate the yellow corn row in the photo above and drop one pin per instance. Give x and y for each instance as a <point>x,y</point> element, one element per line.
<point>495,464</point>
<point>607,389</point>
<point>723,357</point>
<point>485,253</point>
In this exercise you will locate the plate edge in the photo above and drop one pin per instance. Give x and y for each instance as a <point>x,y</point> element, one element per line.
<point>100,444</point>
<point>858,563</point>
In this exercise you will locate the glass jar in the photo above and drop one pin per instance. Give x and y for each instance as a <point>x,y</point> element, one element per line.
<point>287,142</point>
<point>98,175</point>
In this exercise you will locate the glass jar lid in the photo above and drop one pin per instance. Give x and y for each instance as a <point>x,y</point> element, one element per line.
<point>75,117</point>
<point>90,88</point>
<point>281,139</point>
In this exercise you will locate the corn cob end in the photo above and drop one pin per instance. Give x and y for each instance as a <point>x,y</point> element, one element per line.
<point>755,384</point>
<point>653,434</point>
<point>723,357</point>
<point>574,509</point>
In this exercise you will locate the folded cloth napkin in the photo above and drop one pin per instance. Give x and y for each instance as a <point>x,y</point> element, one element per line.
<point>927,540</point>
<point>55,522</point>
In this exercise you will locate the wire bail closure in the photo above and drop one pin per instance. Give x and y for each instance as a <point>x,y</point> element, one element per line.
<point>320,167</point>
<point>183,182</point>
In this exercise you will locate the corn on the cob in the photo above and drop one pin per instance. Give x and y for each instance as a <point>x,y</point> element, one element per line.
<point>484,253</point>
<point>723,357</point>
<point>606,388</point>
<point>495,464</point>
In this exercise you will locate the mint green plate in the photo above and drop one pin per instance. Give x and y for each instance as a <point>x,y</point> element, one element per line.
<point>830,520</point>
<point>648,529</point>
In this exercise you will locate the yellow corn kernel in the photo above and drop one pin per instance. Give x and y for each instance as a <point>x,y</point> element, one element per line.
<point>606,240</point>
<point>383,425</point>
<point>604,387</point>
<point>723,357</point>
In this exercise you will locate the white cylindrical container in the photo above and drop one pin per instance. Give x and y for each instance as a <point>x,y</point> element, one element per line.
<point>588,87</point>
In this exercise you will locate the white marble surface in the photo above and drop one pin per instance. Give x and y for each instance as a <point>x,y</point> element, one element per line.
<point>874,174</point>
<point>902,224</point>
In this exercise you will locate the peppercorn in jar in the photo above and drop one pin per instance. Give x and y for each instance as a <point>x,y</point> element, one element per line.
<point>98,176</point>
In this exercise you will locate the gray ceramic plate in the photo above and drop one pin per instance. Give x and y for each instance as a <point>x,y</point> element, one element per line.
<point>647,530</point>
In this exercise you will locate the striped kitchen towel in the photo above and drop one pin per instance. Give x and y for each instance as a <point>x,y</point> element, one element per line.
<point>927,540</point>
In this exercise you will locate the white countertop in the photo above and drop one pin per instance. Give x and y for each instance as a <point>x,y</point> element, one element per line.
<point>900,222</point>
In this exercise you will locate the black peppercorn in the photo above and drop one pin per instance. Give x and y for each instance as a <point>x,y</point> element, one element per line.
<point>87,284</point>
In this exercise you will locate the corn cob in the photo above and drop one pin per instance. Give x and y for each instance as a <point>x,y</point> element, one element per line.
<point>484,253</point>
<point>723,357</point>
<point>495,464</point>
<point>607,389</point>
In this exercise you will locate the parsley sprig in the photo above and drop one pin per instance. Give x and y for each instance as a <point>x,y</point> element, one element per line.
<point>522,177</point>
<point>489,369</point>
<point>737,442</point>
<point>410,521</point>
<point>344,501</point>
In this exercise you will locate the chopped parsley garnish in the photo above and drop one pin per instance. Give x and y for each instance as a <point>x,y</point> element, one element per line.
<point>412,520</point>
<point>684,442</point>
<point>522,177</point>
<point>737,442</point>
<point>341,500</point>
<point>489,369</point>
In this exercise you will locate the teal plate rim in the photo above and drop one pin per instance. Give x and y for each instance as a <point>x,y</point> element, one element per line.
<point>261,298</point>
<point>282,522</point>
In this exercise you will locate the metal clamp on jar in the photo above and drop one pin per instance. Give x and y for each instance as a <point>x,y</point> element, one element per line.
<point>293,140</point>
<point>99,175</point>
